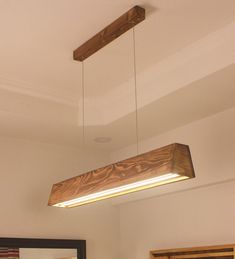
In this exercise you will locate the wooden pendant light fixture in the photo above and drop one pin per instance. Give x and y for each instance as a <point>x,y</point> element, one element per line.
<point>161,166</point>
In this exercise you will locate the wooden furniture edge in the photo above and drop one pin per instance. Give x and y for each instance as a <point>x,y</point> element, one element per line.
<point>190,249</point>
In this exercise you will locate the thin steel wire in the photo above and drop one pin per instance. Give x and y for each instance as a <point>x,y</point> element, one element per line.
<point>83,105</point>
<point>136,94</point>
<point>136,97</point>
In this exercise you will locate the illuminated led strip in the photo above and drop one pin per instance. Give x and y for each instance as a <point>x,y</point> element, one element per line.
<point>152,182</point>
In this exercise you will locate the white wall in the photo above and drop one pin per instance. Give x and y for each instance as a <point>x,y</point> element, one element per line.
<point>186,219</point>
<point>195,212</point>
<point>27,172</point>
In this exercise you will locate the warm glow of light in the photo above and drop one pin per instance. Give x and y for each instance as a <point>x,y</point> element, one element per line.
<point>132,187</point>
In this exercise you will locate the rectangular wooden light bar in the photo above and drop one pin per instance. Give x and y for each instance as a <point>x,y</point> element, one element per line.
<point>121,25</point>
<point>161,166</point>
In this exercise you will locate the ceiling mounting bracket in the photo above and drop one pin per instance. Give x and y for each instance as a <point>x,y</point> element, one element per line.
<point>121,25</point>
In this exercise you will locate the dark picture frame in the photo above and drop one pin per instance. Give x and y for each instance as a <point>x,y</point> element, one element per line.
<point>79,245</point>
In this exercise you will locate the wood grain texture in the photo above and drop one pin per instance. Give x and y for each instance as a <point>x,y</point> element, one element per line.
<point>218,252</point>
<point>174,158</point>
<point>202,255</point>
<point>190,250</point>
<point>110,33</point>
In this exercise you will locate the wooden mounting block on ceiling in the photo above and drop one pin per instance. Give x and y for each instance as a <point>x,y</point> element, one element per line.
<point>124,23</point>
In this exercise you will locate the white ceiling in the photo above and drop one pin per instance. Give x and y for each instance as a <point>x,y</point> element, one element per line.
<point>185,52</point>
